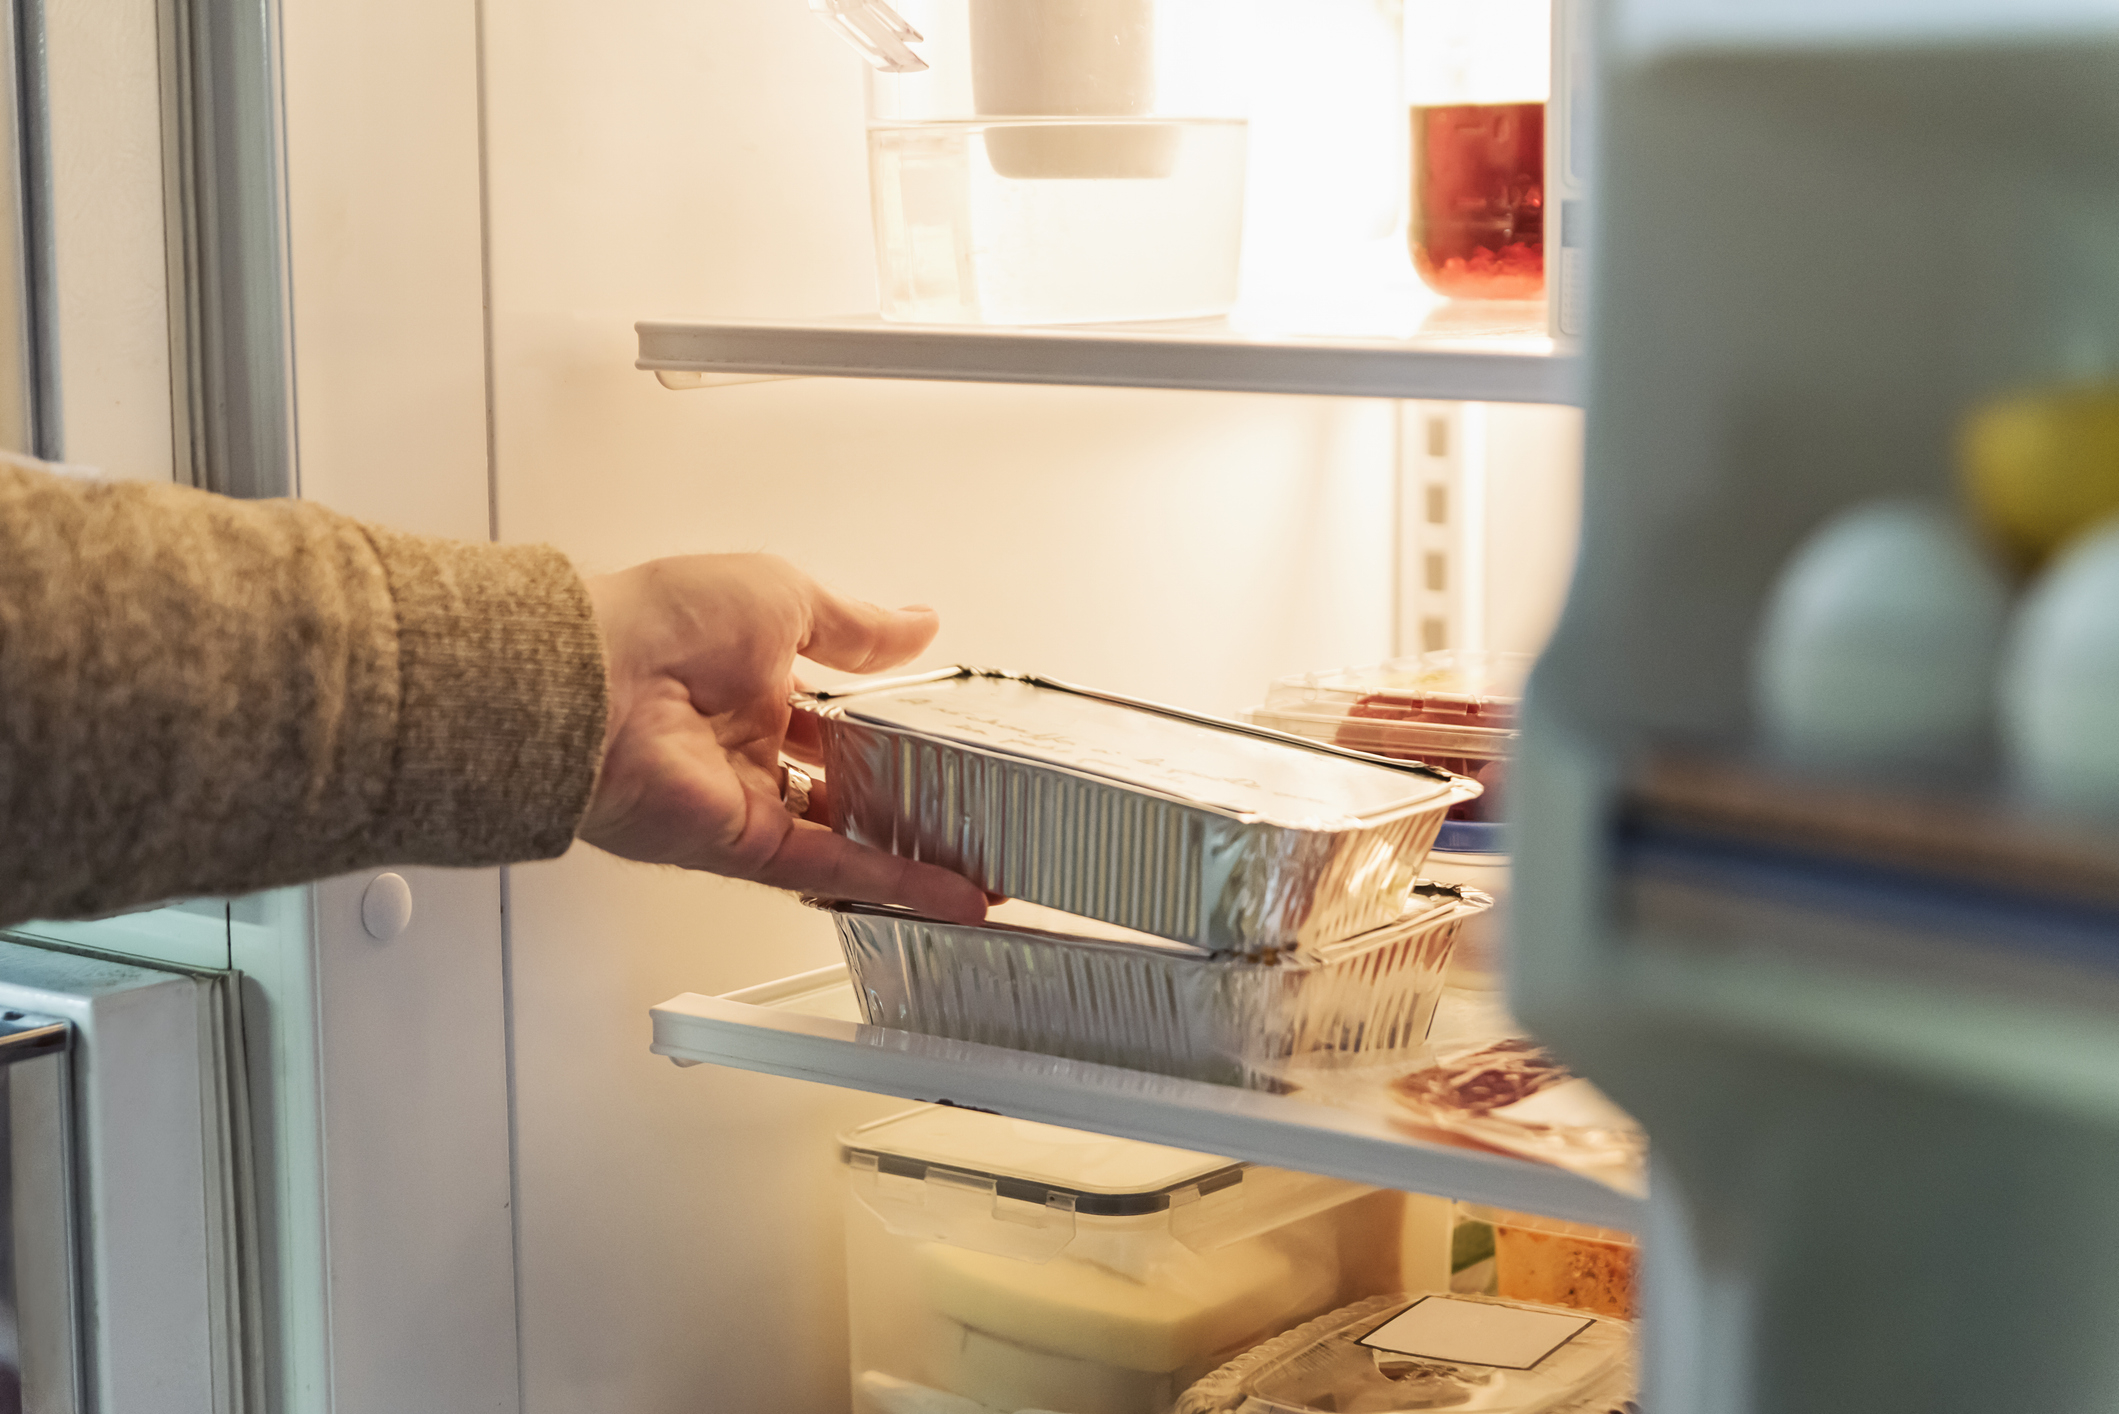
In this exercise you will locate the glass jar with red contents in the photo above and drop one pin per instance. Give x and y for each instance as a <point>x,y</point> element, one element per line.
<point>1477,75</point>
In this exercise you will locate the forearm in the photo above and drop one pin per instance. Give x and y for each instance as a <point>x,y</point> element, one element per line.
<point>200,695</point>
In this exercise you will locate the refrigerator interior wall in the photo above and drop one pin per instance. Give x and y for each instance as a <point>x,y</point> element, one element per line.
<point>1187,547</point>
<point>1489,505</point>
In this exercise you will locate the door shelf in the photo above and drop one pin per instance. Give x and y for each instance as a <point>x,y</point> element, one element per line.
<point>1480,359</point>
<point>805,1027</point>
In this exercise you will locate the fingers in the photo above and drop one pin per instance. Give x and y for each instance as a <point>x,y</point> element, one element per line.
<point>858,637</point>
<point>813,860</point>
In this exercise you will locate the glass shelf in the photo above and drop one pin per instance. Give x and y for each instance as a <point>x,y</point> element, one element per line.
<point>1391,346</point>
<point>806,1027</point>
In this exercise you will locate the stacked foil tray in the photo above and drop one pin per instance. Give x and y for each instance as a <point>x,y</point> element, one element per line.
<point>1155,1006</point>
<point>1223,837</point>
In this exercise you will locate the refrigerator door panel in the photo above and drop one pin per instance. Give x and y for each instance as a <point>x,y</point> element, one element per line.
<point>40,1327</point>
<point>166,1299</point>
<point>192,934</point>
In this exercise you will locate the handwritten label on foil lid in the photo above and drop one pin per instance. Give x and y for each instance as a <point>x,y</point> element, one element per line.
<point>1190,760</point>
<point>1476,1333</point>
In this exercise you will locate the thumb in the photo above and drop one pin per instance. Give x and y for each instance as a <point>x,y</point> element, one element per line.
<point>855,636</point>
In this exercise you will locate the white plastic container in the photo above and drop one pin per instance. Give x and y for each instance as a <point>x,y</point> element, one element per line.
<point>1053,161</point>
<point>1000,1265</point>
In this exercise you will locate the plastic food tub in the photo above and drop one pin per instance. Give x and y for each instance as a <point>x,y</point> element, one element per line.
<point>1562,1263</point>
<point>998,1265</point>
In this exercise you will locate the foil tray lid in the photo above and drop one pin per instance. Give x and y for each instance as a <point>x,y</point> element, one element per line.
<point>1225,766</point>
<point>1032,1162</point>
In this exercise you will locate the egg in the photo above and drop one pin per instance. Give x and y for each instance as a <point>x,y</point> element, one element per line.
<point>2060,680</point>
<point>1879,641</point>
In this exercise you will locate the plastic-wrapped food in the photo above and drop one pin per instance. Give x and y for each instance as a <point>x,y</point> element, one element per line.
<point>1455,709</point>
<point>1202,831</point>
<point>1509,1094</point>
<point>1561,1263</point>
<point>1403,1353</point>
<point>1035,980</point>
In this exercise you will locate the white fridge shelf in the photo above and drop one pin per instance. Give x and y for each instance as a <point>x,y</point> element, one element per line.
<point>804,1027</point>
<point>1475,357</point>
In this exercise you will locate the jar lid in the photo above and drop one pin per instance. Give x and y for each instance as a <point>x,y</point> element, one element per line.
<point>1105,1176</point>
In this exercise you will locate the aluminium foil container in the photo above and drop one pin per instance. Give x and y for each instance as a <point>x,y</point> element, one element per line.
<point>1222,836</point>
<point>1129,1000</point>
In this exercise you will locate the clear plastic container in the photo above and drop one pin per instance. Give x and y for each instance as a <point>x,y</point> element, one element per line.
<point>1053,161</point>
<point>1454,708</point>
<point>1021,1266</point>
<point>1478,73</point>
<point>1431,1351</point>
<point>1562,1263</point>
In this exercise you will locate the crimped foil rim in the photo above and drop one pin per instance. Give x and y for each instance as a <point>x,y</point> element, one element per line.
<point>1467,901</point>
<point>1457,789</point>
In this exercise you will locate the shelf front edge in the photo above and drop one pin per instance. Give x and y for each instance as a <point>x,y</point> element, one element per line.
<point>1316,368</point>
<point>1243,1124</point>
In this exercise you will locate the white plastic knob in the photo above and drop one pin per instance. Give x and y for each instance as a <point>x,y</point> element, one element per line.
<point>386,907</point>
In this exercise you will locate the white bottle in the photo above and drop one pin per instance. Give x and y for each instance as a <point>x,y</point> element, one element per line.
<point>1879,641</point>
<point>2060,680</point>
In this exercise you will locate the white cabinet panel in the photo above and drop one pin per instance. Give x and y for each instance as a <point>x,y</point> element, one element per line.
<point>103,68</point>
<point>385,262</point>
<point>412,1052</point>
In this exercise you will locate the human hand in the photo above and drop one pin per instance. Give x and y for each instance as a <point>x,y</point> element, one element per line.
<point>700,652</point>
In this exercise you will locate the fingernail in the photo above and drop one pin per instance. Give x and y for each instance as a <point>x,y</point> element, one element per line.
<point>917,609</point>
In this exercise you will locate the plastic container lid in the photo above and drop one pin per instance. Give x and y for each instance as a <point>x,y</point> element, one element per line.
<point>1451,687</point>
<point>1453,708</point>
<point>1034,1163</point>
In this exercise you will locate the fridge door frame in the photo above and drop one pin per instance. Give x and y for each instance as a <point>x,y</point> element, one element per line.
<point>157,1126</point>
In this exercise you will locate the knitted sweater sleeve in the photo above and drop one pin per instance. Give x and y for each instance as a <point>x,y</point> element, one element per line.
<point>207,696</point>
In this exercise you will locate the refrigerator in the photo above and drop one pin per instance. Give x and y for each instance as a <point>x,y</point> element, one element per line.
<point>604,278</point>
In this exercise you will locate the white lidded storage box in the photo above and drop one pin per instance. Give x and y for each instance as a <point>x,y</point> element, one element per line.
<point>998,1264</point>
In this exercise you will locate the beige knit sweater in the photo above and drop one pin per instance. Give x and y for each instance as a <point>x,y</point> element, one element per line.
<point>206,696</point>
